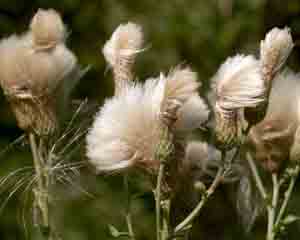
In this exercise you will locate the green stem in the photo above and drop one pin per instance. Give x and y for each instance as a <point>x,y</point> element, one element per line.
<point>273,207</point>
<point>287,196</point>
<point>166,219</point>
<point>128,208</point>
<point>158,199</point>
<point>256,176</point>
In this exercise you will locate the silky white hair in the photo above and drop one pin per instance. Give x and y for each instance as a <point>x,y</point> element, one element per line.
<point>192,115</point>
<point>238,83</point>
<point>37,71</point>
<point>125,43</point>
<point>275,49</point>
<point>128,128</point>
<point>285,93</point>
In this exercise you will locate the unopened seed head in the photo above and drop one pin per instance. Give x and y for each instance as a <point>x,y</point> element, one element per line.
<point>32,79</point>
<point>274,50</point>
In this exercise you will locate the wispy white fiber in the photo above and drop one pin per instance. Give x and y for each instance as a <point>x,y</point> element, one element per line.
<point>275,49</point>
<point>238,83</point>
<point>125,43</point>
<point>128,128</point>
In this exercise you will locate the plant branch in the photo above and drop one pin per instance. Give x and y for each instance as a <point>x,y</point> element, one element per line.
<point>287,195</point>
<point>272,209</point>
<point>158,199</point>
<point>166,218</point>
<point>256,176</point>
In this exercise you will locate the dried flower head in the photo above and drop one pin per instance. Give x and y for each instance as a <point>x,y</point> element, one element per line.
<point>238,85</point>
<point>179,86</point>
<point>31,79</point>
<point>47,29</point>
<point>120,52</point>
<point>128,129</point>
<point>272,139</point>
<point>274,50</point>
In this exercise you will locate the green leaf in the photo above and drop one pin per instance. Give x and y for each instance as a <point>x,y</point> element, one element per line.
<point>290,219</point>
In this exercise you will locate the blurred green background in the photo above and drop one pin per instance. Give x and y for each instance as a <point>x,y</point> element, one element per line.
<point>201,33</point>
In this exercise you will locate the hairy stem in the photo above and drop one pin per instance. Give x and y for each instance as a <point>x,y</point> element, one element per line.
<point>158,199</point>
<point>41,191</point>
<point>287,196</point>
<point>128,208</point>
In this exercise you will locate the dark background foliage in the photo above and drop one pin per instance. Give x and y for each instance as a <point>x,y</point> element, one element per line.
<point>201,33</point>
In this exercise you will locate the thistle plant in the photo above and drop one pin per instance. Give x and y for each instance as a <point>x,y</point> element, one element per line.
<point>36,66</point>
<point>149,127</point>
<point>153,121</point>
<point>149,120</point>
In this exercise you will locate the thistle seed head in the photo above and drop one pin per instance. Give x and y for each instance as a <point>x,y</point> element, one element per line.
<point>121,50</point>
<point>238,85</point>
<point>139,114</point>
<point>32,79</point>
<point>274,50</point>
<point>126,131</point>
<point>273,140</point>
<point>179,86</point>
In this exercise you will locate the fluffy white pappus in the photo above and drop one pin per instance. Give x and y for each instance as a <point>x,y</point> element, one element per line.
<point>181,84</point>
<point>39,72</point>
<point>192,115</point>
<point>126,131</point>
<point>285,93</point>
<point>128,127</point>
<point>238,83</point>
<point>275,49</point>
<point>125,43</point>
<point>9,48</point>
<point>47,29</point>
